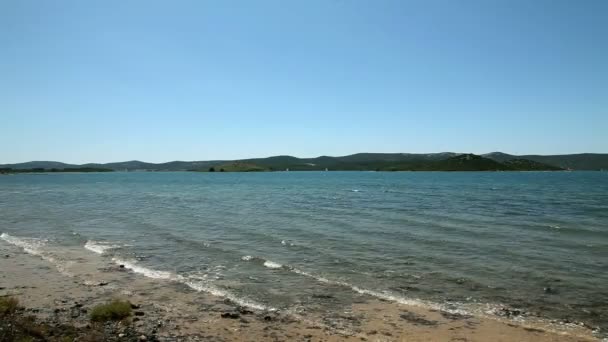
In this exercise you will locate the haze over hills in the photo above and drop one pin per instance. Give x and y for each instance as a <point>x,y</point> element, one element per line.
<point>359,161</point>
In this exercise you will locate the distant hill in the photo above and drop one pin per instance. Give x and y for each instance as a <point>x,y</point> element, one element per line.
<point>239,167</point>
<point>581,161</point>
<point>463,162</point>
<point>445,161</point>
<point>529,165</point>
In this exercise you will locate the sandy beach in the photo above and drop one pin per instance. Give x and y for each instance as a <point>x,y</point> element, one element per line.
<point>165,310</point>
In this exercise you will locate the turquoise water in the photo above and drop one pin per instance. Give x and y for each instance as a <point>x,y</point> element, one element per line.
<point>533,240</point>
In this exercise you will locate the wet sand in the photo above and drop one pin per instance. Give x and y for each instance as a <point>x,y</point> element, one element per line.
<point>171,311</point>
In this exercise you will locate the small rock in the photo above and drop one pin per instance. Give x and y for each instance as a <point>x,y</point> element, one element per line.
<point>550,290</point>
<point>143,338</point>
<point>121,335</point>
<point>139,313</point>
<point>244,311</point>
<point>135,306</point>
<point>7,256</point>
<point>122,266</point>
<point>231,315</point>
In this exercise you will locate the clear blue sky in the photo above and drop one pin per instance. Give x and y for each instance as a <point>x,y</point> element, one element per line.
<point>100,81</point>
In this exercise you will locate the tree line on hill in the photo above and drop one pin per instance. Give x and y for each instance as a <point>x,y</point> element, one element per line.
<point>446,161</point>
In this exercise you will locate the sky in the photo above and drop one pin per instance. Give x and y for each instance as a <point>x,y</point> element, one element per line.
<point>116,80</point>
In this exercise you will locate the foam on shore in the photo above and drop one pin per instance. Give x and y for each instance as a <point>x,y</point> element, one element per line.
<point>380,295</point>
<point>147,272</point>
<point>272,264</point>
<point>99,247</point>
<point>34,246</point>
<point>194,283</point>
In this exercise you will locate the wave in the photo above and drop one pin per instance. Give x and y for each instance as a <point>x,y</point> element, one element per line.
<point>214,290</point>
<point>147,272</point>
<point>99,247</point>
<point>265,262</point>
<point>378,294</point>
<point>382,295</point>
<point>29,245</point>
<point>34,246</point>
<point>272,264</point>
<point>194,283</point>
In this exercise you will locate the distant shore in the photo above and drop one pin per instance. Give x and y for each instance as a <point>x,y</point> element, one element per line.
<point>443,161</point>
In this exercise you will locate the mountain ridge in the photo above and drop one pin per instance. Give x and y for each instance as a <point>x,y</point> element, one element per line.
<point>358,161</point>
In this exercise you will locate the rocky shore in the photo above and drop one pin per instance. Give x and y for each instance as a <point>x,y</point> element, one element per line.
<point>56,303</point>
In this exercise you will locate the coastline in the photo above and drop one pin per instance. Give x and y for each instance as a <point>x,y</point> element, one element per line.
<point>168,311</point>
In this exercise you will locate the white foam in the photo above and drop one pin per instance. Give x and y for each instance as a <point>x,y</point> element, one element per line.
<point>321,279</point>
<point>98,247</point>
<point>272,264</point>
<point>148,272</point>
<point>208,288</point>
<point>377,294</point>
<point>34,247</point>
<point>29,245</point>
<point>197,285</point>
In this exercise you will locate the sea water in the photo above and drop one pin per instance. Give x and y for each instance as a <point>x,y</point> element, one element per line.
<point>537,241</point>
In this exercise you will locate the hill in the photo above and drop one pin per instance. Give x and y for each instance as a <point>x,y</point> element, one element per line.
<point>448,161</point>
<point>529,165</point>
<point>581,161</point>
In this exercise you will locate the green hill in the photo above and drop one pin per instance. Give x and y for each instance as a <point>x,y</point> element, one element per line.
<point>237,167</point>
<point>529,165</point>
<point>581,161</point>
<point>445,161</point>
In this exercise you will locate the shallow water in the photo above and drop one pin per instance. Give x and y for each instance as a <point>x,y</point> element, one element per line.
<point>291,240</point>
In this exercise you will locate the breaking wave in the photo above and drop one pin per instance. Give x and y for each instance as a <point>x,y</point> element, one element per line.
<point>99,247</point>
<point>34,246</point>
<point>193,282</point>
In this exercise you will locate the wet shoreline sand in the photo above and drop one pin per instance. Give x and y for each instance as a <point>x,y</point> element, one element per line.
<point>170,311</point>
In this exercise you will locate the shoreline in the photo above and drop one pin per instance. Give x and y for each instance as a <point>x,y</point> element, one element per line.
<point>168,310</point>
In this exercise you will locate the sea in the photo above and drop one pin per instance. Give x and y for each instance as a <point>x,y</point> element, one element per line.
<point>533,241</point>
